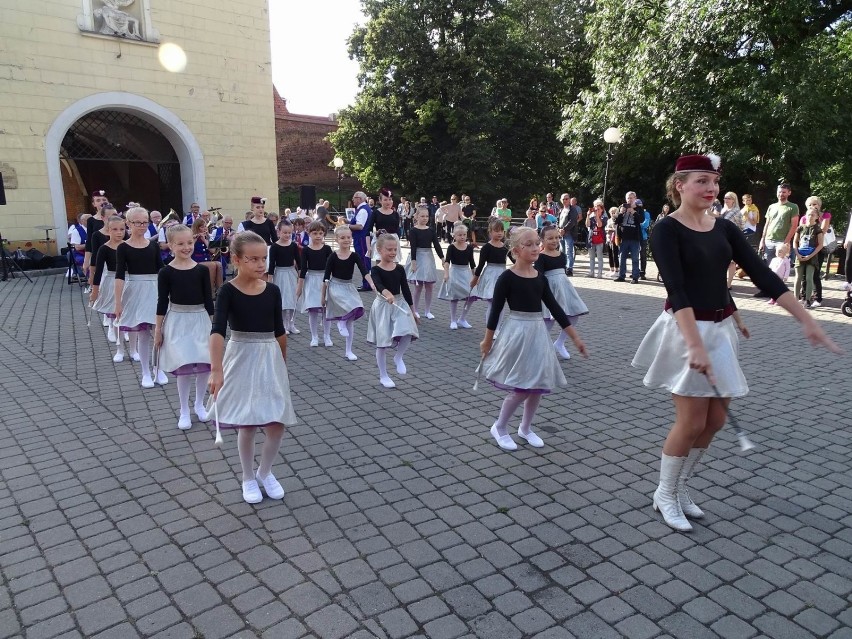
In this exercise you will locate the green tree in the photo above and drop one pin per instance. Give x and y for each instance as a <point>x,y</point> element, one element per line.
<point>462,96</point>
<point>762,84</point>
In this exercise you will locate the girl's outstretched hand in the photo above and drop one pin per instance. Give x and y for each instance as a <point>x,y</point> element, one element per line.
<point>580,346</point>
<point>744,330</point>
<point>817,337</point>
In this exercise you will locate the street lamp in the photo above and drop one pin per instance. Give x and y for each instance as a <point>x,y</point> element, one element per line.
<point>611,136</point>
<point>337,162</point>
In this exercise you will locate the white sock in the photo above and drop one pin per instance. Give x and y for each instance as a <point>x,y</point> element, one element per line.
<point>143,344</point>
<point>288,318</point>
<point>133,344</point>
<point>271,446</point>
<point>119,343</point>
<point>530,407</point>
<point>382,362</point>
<point>326,330</point>
<point>560,341</point>
<point>350,327</point>
<point>510,405</point>
<point>183,386</point>
<point>201,380</point>
<point>245,446</point>
<point>313,322</point>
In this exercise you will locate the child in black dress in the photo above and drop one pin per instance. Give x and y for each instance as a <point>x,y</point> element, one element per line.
<point>103,276</point>
<point>420,269</point>
<point>284,262</point>
<point>249,384</point>
<point>309,289</point>
<point>492,263</point>
<point>182,334</point>
<point>458,270</point>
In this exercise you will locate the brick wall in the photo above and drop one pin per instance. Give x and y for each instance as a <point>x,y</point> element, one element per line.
<point>303,152</point>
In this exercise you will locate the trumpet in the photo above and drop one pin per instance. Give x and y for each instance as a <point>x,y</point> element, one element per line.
<point>173,215</point>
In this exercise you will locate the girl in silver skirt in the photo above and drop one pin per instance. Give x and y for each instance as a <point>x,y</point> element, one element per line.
<point>137,263</point>
<point>102,295</point>
<point>492,263</point>
<point>309,289</point>
<point>284,263</point>
<point>182,334</point>
<point>692,348</point>
<point>522,360</point>
<point>458,269</point>
<point>552,263</point>
<point>392,322</point>
<point>249,383</point>
<point>420,264</point>
<point>340,297</point>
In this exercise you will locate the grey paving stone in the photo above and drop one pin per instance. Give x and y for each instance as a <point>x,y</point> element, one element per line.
<point>100,615</point>
<point>732,627</point>
<point>398,623</point>
<point>588,624</point>
<point>638,627</point>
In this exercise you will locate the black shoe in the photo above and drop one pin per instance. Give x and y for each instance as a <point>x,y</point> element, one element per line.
<point>642,277</point>
<point>636,281</point>
<point>364,289</point>
<point>569,272</point>
<point>619,279</point>
<point>760,294</point>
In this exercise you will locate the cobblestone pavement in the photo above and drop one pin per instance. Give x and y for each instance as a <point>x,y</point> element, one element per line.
<point>402,518</point>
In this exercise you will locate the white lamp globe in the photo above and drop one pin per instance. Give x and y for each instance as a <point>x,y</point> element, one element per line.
<point>337,162</point>
<point>612,135</point>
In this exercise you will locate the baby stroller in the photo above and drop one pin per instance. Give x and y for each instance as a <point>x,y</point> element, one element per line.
<point>846,307</point>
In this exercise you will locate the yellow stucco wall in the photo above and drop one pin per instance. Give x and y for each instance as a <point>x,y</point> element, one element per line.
<point>224,96</point>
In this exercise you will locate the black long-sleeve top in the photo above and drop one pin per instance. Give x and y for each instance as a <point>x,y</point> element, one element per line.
<point>314,259</point>
<point>248,313</point>
<point>184,286</point>
<point>394,281</point>
<point>385,222</point>
<point>106,257</point>
<point>490,254</point>
<point>344,269</point>
<point>98,239</point>
<point>460,257</point>
<point>138,261</point>
<point>629,224</point>
<point>546,263</point>
<point>282,256</point>
<point>525,295</point>
<point>694,264</point>
<point>92,224</point>
<point>265,229</point>
<point>423,239</point>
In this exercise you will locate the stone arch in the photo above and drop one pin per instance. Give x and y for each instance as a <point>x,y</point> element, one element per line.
<point>172,127</point>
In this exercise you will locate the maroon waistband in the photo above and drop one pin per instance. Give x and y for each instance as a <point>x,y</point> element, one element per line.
<point>702,315</point>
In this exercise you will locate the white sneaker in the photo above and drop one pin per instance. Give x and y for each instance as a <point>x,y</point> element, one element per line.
<point>341,328</point>
<point>135,357</point>
<point>429,315</point>
<point>251,492</point>
<point>294,330</point>
<point>118,357</point>
<point>162,378</point>
<point>147,382</point>
<point>314,342</point>
<point>271,487</point>
<point>531,438</point>
<point>453,326</point>
<point>846,286</point>
<point>561,351</point>
<point>387,382</point>
<point>465,324</point>
<point>328,342</point>
<point>505,441</point>
<point>201,413</point>
<point>185,422</point>
<point>816,304</point>
<point>352,357</point>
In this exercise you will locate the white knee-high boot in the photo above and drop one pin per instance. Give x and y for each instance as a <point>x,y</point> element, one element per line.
<point>665,497</point>
<point>689,507</point>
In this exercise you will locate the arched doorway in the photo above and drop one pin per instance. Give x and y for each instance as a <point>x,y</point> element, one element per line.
<point>146,152</point>
<point>123,154</point>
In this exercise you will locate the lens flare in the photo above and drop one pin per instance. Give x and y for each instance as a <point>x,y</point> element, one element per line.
<point>172,57</point>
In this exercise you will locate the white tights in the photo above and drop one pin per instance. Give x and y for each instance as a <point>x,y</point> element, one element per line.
<point>419,287</point>
<point>510,405</point>
<point>401,347</point>
<point>271,445</point>
<point>183,384</point>
<point>313,322</point>
<point>144,348</point>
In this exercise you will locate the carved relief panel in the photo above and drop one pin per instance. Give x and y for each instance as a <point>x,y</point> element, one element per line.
<point>125,19</point>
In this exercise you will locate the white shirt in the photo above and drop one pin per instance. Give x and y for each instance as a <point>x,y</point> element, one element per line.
<point>74,235</point>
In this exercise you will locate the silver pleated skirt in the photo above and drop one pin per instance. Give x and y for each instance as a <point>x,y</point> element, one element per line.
<point>285,278</point>
<point>457,286</point>
<point>484,289</point>
<point>387,323</point>
<point>663,352</point>
<point>342,300</point>
<point>139,302</point>
<point>522,357</point>
<point>311,292</point>
<point>186,338</point>
<point>106,294</point>
<point>256,390</point>
<point>426,271</point>
<point>565,293</point>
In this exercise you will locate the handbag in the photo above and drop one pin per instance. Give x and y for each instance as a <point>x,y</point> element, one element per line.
<point>830,241</point>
